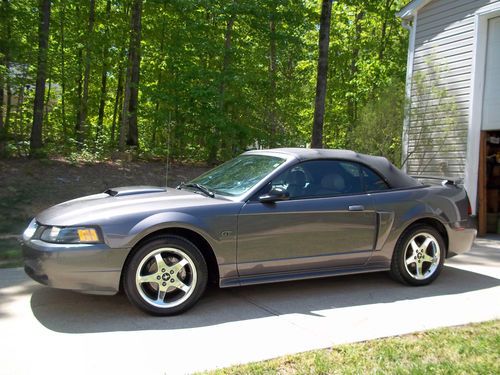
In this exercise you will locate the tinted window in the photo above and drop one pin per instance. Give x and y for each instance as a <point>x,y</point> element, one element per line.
<point>321,178</point>
<point>372,181</point>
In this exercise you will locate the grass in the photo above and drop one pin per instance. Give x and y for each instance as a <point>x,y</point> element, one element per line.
<point>471,349</point>
<point>10,253</point>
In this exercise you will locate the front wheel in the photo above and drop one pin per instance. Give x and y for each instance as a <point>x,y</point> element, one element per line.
<point>165,276</point>
<point>419,256</point>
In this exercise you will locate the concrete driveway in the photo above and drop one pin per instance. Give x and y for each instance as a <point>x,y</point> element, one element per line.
<point>46,331</point>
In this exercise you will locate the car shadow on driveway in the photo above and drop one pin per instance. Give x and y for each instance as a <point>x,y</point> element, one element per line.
<point>69,312</point>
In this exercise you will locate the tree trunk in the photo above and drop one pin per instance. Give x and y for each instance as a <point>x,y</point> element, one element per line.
<point>79,83</point>
<point>124,123</point>
<point>104,74</point>
<point>82,125</point>
<point>43,44</point>
<point>352,102</point>
<point>79,89</point>
<point>5,81</point>
<point>323,44</point>
<point>214,145</point>
<point>383,42</point>
<point>2,84</point>
<point>129,131</point>
<point>118,103</point>
<point>2,126</point>
<point>3,62</point>
<point>227,59</point>
<point>272,78</point>
<point>18,133</point>
<point>63,71</point>
<point>159,83</point>
<point>8,87</point>
<point>47,100</point>
<point>4,53</point>
<point>118,107</point>
<point>8,110</point>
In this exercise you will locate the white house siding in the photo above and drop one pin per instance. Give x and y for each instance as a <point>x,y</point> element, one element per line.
<point>440,104</point>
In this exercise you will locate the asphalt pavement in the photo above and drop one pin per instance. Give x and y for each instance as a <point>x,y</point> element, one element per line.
<point>48,331</point>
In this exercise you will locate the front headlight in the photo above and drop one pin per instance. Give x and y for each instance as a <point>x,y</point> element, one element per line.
<point>30,231</point>
<point>71,235</point>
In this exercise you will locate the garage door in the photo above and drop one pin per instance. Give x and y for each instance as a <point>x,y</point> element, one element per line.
<point>491,100</point>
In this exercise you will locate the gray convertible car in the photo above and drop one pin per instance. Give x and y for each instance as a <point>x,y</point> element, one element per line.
<point>265,216</point>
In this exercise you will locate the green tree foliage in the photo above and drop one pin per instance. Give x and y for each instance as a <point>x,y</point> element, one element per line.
<point>216,76</point>
<point>367,54</point>
<point>377,130</point>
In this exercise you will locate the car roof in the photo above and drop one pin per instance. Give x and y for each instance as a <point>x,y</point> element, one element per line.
<point>393,176</point>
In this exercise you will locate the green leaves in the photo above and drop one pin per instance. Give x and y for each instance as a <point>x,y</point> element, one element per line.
<point>209,88</point>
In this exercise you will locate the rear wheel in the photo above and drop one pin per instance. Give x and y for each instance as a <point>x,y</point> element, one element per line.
<point>165,276</point>
<point>419,256</point>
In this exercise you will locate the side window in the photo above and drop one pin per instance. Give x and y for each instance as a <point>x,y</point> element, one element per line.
<point>295,181</point>
<point>321,178</point>
<point>372,181</point>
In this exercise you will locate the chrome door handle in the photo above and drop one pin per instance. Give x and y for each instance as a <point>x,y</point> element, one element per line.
<point>356,208</point>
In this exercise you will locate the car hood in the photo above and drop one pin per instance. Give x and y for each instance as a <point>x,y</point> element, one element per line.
<point>121,202</point>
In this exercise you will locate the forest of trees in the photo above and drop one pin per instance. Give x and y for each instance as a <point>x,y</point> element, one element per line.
<point>201,80</point>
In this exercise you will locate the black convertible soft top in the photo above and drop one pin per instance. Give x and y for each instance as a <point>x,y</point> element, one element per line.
<point>396,178</point>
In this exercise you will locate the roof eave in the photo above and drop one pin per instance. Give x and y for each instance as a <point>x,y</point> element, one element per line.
<point>409,11</point>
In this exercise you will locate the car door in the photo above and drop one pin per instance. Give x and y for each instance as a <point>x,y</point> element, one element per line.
<point>328,221</point>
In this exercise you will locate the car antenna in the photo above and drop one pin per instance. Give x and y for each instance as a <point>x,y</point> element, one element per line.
<point>168,148</point>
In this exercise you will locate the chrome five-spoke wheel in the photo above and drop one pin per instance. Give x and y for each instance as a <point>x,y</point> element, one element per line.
<point>166,276</point>
<point>419,255</point>
<point>422,256</point>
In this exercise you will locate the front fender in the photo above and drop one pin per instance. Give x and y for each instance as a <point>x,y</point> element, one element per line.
<point>166,220</point>
<point>218,228</point>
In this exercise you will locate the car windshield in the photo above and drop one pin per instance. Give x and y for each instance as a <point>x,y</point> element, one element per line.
<point>239,175</point>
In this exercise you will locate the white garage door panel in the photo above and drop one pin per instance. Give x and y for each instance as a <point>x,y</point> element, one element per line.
<point>491,100</point>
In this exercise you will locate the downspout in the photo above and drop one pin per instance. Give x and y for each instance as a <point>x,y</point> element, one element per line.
<point>410,25</point>
<point>407,25</point>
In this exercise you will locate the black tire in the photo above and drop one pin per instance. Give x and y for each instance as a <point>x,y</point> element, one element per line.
<point>167,288</point>
<point>416,268</point>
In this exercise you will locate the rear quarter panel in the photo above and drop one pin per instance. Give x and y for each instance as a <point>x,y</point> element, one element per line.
<point>446,204</point>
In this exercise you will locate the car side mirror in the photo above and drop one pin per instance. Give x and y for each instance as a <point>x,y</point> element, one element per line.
<point>274,195</point>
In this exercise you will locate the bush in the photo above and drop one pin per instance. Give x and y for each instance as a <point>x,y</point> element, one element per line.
<point>379,128</point>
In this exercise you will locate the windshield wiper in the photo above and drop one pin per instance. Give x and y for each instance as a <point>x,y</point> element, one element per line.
<point>200,187</point>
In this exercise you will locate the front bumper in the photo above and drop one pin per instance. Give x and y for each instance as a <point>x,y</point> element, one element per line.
<point>94,269</point>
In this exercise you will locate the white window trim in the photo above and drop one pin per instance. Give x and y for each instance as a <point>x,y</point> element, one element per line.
<point>481,18</point>
<point>409,80</point>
